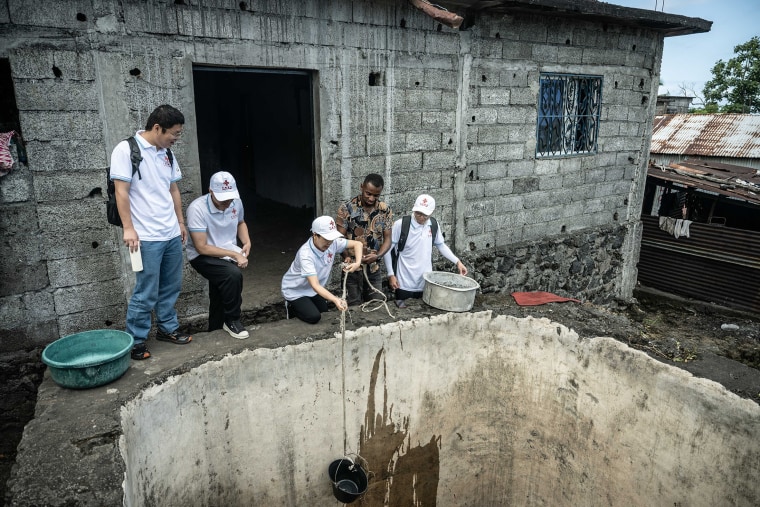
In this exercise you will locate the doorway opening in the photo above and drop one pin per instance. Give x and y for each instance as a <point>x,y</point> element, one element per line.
<point>258,124</point>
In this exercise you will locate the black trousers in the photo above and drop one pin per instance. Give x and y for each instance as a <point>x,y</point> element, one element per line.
<point>359,291</point>
<point>407,294</point>
<point>308,309</point>
<point>225,289</point>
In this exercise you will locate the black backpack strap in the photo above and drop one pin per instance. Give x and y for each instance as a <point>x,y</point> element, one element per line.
<point>433,228</point>
<point>406,222</point>
<point>170,156</point>
<point>135,156</point>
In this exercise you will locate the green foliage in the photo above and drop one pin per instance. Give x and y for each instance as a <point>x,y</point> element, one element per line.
<point>735,86</point>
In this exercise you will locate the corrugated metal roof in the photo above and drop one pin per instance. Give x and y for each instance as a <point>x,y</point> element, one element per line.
<point>707,135</point>
<point>730,180</point>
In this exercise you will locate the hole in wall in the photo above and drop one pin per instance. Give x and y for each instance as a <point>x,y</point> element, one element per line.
<point>375,78</point>
<point>616,84</point>
<point>135,72</point>
<point>472,245</point>
<point>471,176</point>
<point>402,24</point>
<point>416,83</point>
<point>473,118</point>
<point>615,216</point>
<point>95,244</point>
<point>108,323</point>
<point>483,78</point>
<point>81,17</point>
<point>498,35</point>
<point>57,72</point>
<point>567,42</point>
<point>243,6</point>
<point>644,100</point>
<point>97,191</point>
<point>438,28</point>
<point>179,2</point>
<point>450,141</point>
<point>563,229</point>
<point>633,48</point>
<point>625,201</point>
<point>641,83</point>
<point>488,245</point>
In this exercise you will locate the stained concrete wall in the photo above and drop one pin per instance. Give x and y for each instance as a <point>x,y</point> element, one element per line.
<point>458,409</point>
<point>452,113</point>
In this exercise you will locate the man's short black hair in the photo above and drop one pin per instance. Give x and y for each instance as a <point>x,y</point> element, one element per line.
<point>166,116</point>
<point>375,179</point>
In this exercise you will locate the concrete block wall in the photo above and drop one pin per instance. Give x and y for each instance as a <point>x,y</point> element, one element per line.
<point>436,110</point>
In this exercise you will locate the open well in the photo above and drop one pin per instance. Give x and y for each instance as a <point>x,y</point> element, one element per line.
<point>457,409</point>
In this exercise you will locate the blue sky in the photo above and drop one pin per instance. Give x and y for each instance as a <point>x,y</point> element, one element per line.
<point>689,58</point>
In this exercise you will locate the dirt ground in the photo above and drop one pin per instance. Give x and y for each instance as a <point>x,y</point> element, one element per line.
<point>684,333</point>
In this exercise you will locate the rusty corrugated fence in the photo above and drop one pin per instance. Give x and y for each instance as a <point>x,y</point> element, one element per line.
<point>716,264</point>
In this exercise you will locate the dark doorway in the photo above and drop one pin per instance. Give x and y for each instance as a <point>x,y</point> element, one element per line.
<point>258,124</point>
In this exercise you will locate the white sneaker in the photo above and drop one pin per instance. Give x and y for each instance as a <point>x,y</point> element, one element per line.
<point>236,330</point>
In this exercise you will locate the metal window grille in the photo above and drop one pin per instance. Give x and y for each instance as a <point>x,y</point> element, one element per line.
<point>568,114</point>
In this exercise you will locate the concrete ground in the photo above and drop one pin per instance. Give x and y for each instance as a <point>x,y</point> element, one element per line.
<point>69,454</point>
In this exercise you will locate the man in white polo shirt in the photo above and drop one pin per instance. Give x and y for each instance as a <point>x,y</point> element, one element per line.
<point>303,284</point>
<point>415,258</point>
<point>150,208</point>
<point>216,222</point>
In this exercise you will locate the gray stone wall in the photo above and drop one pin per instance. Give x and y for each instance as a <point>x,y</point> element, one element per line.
<point>451,113</point>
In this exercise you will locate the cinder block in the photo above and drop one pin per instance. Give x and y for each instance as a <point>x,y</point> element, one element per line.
<point>88,296</point>
<point>17,186</point>
<point>64,186</point>
<point>365,165</point>
<point>494,96</point>
<point>441,43</point>
<point>61,244</point>
<point>474,190</point>
<point>385,144</point>
<point>67,155</point>
<point>545,54</point>
<point>140,17</point>
<point>509,151</point>
<point>523,96</point>
<point>498,188</point>
<point>438,160</point>
<point>38,64</point>
<point>404,162</point>
<point>59,14</point>
<point>365,36</point>
<point>519,115</point>
<point>85,214</point>
<point>87,269</point>
<point>492,134</point>
<point>423,141</point>
<point>57,125</point>
<point>109,317</point>
<point>212,23</point>
<point>56,94</point>
<point>480,208</point>
<point>406,121</point>
<point>488,48</point>
<point>439,120</point>
<point>423,99</point>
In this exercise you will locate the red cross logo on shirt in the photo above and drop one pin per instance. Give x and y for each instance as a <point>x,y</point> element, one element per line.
<point>234,212</point>
<point>329,257</point>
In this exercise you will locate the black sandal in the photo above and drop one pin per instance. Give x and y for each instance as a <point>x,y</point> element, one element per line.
<point>140,352</point>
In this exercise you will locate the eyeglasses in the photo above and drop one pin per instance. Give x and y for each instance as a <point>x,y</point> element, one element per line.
<point>175,135</point>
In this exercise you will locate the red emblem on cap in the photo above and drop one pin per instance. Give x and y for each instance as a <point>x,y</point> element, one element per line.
<point>424,202</point>
<point>332,225</point>
<point>226,185</point>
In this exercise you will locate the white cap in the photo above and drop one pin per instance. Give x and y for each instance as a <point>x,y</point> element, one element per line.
<point>325,227</point>
<point>224,187</point>
<point>424,204</point>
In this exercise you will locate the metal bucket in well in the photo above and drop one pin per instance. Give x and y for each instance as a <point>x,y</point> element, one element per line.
<point>449,291</point>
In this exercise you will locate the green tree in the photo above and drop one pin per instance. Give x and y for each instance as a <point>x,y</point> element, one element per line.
<point>735,86</point>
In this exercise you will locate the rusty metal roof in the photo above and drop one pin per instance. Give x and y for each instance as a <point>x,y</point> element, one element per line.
<point>707,135</point>
<point>668,24</point>
<point>730,180</point>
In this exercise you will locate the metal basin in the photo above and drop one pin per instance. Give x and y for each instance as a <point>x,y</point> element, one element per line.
<point>449,291</point>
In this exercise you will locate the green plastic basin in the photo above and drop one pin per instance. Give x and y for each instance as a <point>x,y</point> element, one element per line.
<point>88,359</point>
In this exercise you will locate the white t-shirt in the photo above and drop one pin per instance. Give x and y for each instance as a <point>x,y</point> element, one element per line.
<point>150,200</point>
<point>416,258</point>
<point>310,261</point>
<point>220,226</point>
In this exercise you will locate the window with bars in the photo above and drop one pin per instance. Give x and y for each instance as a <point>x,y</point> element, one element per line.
<point>569,108</point>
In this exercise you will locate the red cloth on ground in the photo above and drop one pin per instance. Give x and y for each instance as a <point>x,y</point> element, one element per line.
<point>539,298</point>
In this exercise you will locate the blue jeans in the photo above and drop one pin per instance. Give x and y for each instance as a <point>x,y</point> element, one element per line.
<point>157,288</point>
